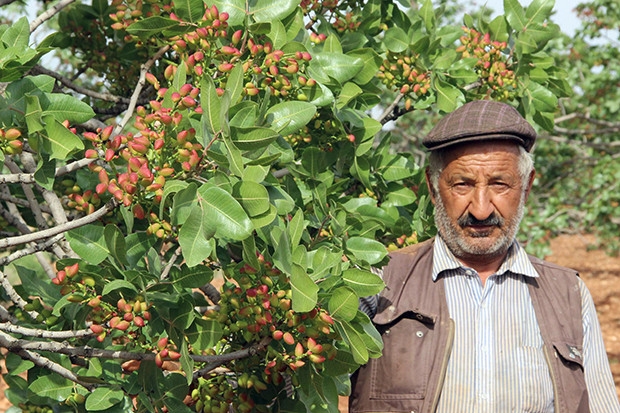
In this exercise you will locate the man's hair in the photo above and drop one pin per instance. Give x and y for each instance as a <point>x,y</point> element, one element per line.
<point>436,163</point>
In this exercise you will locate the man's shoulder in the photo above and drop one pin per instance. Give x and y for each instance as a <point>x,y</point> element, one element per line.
<point>415,249</point>
<point>545,266</point>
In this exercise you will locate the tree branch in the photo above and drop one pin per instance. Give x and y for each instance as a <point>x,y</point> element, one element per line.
<point>34,248</point>
<point>136,93</point>
<point>16,298</point>
<point>43,234</point>
<point>212,361</point>
<point>38,333</point>
<point>49,13</point>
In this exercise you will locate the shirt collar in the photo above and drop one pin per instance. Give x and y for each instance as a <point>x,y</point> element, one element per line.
<point>516,261</point>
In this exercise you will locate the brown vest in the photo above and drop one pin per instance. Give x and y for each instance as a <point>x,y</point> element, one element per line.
<point>418,334</point>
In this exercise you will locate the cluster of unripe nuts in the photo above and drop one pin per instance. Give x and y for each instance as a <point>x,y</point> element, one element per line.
<point>403,241</point>
<point>257,307</point>
<point>399,72</point>
<point>10,141</point>
<point>493,65</point>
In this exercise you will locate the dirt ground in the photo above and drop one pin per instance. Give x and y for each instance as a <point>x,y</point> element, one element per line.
<point>601,274</point>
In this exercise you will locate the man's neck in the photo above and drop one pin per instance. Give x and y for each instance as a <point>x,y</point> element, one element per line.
<point>485,266</point>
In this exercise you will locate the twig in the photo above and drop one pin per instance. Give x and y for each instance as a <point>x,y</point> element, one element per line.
<point>170,264</point>
<point>54,335</point>
<point>390,109</point>
<point>16,298</point>
<point>79,89</point>
<point>43,234</point>
<point>28,178</point>
<point>49,13</point>
<point>62,249</point>
<point>136,93</point>
<point>34,248</point>
<point>14,344</point>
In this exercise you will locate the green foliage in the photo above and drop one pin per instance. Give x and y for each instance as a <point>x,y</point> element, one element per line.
<point>186,146</point>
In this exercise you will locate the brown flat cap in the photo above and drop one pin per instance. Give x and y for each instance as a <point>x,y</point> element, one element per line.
<point>481,120</point>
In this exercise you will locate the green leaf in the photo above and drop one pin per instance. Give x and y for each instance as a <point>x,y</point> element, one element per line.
<point>283,253</point>
<point>355,341</point>
<point>289,117</point>
<point>349,91</point>
<point>233,154</point>
<point>314,161</point>
<point>267,11</point>
<point>343,304</point>
<point>539,10</point>
<point>515,15</point>
<point>89,243</point>
<point>204,334</point>
<point>252,196</point>
<point>155,25</point>
<point>337,66</point>
<point>499,29</point>
<point>371,61</point>
<point>235,9</point>
<point>363,282</point>
<point>448,97</point>
<point>211,106</point>
<point>138,243</point>
<point>17,34</point>
<point>59,141</point>
<point>398,168</point>
<point>195,277</point>
<point>296,227</point>
<point>304,290</point>
<point>34,122</point>
<point>45,173</point>
<point>445,59</point>
<point>396,40</point>
<point>171,187</point>
<point>234,84</point>
<point>253,138</point>
<point>194,236</point>
<point>224,216</point>
<point>183,203</point>
<point>361,170</point>
<point>115,241</point>
<point>366,249</point>
<point>427,12</point>
<point>52,386</point>
<point>189,10</point>
<point>103,398</point>
<point>118,285</point>
<point>542,98</point>
<point>67,108</point>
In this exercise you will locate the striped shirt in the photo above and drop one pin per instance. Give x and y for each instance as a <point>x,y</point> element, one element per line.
<point>497,364</point>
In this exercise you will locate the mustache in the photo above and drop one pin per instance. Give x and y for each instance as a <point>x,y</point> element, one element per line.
<point>469,220</point>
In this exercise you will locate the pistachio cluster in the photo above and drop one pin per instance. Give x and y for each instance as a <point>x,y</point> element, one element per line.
<point>493,65</point>
<point>399,72</point>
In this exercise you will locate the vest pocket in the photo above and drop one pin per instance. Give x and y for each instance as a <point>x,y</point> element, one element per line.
<point>403,372</point>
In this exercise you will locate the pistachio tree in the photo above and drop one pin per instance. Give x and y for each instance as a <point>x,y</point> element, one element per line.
<point>194,195</point>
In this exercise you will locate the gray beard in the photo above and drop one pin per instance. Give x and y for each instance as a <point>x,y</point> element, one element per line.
<point>463,247</point>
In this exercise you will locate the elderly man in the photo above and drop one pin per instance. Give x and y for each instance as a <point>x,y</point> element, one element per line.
<point>470,322</point>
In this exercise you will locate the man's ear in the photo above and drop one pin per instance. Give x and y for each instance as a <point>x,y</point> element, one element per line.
<point>530,182</point>
<point>431,190</point>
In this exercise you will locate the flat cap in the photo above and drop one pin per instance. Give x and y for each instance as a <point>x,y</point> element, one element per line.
<point>481,120</point>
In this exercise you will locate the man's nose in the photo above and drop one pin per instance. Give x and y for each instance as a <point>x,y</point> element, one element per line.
<point>481,206</point>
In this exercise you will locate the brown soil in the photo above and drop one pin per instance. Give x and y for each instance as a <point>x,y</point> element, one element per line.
<point>601,274</point>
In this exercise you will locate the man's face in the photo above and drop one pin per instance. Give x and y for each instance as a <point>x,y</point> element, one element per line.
<point>480,199</point>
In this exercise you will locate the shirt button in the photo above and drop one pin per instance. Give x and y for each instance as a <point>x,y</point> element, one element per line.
<point>419,334</point>
<point>469,272</point>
